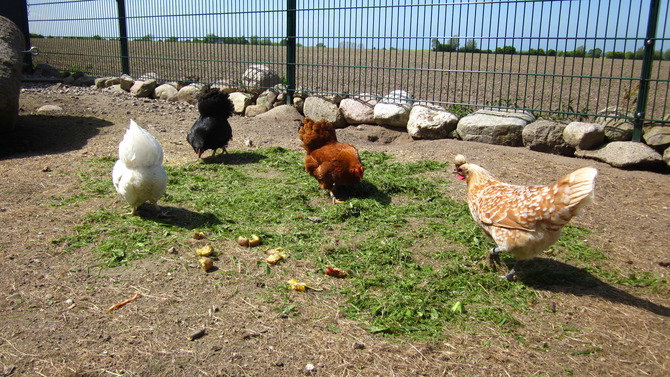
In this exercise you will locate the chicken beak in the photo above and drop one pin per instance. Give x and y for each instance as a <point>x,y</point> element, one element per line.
<point>199,152</point>
<point>458,175</point>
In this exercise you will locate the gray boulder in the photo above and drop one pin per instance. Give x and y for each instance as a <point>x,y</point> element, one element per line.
<point>625,154</point>
<point>283,113</point>
<point>658,137</point>
<point>254,110</point>
<point>581,135</point>
<point>11,44</point>
<point>143,88</point>
<point>614,127</point>
<point>240,101</point>
<point>126,82</point>
<point>393,109</point>
<point>666,157</point>
<point>546,136</point>
<point>430,122</point>
<point>166,92</point>
<point>267,98</point>
<point>359,109</point>
<point>189,93</point>
<point>259,77</point>
<point>501,127</point>
<point>319,108</point>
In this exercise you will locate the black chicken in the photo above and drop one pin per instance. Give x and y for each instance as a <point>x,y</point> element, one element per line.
<point>211,130</point>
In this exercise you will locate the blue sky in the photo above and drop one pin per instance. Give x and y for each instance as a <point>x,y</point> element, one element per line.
<point>561,25</point>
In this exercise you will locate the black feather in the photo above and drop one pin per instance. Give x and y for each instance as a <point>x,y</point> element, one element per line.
<point>211,130</point>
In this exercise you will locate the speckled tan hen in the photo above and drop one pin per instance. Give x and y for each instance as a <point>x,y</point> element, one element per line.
<point>523,220</point>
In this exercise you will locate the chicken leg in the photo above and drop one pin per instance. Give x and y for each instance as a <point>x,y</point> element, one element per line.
<point>335,200</point>
<point>494,261</point>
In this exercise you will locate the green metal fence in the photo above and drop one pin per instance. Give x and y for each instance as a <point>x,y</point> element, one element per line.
<point>558,59</point>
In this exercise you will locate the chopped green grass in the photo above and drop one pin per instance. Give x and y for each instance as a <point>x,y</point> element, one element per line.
<point>396,287</point>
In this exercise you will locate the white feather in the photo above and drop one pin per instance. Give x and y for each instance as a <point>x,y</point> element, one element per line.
<point>138,175</point>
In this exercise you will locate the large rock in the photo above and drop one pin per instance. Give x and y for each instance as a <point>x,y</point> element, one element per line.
<point>126,82</point>
<point>625,154</point>
<point>359,109</point>
<point>546,136</point>
<point>11,44</point>
<point>189,93</point>
<point>393,109</point>
<point>143,88</point>
<point>166,92</point>
<point>616,128</point>
<point>240,101</point>
<point>253,110</point>
<point>319,108</point>
<point>259,77</point>
<point>283,113</point>
<point>666,157</point>
<point>583,135</point>
<point>430,122</point>
<point>501,127</point>
<point>658,137</point>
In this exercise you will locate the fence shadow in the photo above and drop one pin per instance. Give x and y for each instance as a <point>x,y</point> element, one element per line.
<point>47,134</point>
<point>555,276</point>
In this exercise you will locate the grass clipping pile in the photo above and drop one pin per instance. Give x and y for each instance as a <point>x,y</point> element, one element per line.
<point>90,292</point>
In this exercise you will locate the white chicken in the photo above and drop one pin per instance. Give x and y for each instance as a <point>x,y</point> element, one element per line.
<point>138,175</point>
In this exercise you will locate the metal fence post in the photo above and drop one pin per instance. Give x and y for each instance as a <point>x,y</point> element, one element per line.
<point>290,49</point>
<point>643,93</point>
<point>123,36</point>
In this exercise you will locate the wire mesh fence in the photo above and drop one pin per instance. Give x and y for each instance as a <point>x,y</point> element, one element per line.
<point>557,59</point>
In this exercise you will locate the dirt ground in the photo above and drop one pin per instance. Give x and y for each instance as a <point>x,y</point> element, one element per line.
<point>53,305</point>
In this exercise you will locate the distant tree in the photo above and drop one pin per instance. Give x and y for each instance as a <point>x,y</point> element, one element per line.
<point>508,50</point>
<point>454,42</point>
<point>435,44</point>
<point>171,39</point>
<point>33,35</point>
<point>666,55</point>
<point>470,46</point>
<point>615,55</point>
<point>594,53</point>
<point>146,38</point>
<point>629,55</point>
<point>551,52</point>
<point>254,40</point>
<point>211,38</point>
<point>639,54</point>
<point>96,37</point>
<point>320,44</point>
<point>580,52</point>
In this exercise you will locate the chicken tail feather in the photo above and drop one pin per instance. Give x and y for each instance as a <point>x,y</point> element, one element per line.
<point>139,148</point>
<point>314,135</point>
<point>575,191</point>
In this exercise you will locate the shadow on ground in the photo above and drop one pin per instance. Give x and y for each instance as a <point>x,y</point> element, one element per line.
<point>555,276</point>
<point>46,134</point>
<point>177,216</point>
<point>234,158</point>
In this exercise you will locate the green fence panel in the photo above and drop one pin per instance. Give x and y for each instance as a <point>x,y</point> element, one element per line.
<point>570,60</point>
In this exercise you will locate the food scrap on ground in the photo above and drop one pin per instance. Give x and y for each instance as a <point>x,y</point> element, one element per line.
<point>335,272</point>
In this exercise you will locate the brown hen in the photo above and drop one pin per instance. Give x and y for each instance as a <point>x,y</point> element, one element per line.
<point>327,160</point>
<point>523,220</point>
